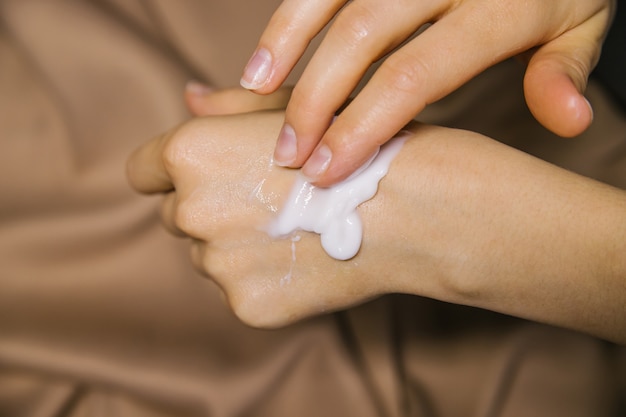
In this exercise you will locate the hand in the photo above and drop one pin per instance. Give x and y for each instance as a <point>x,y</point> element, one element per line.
<point>208,169</point>
<point>561,41</point>
<point>453,220</point>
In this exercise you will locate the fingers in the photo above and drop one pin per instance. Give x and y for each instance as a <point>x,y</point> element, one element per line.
<point>427,68</point>
<point>285,39</point>
<point>465,38</point>
<point>146,169</point>
<point>360,35</point>
<point>202,100</point>
<point>557,74</point>
<point>422,71</point>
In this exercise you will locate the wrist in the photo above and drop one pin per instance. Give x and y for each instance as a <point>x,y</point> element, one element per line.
<point>465,219</point>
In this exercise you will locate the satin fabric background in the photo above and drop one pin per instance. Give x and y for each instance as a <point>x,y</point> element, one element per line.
<point>101,313</point>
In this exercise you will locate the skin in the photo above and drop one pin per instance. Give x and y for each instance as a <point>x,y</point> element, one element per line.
<point>460,217</point>
<point>559,41</point>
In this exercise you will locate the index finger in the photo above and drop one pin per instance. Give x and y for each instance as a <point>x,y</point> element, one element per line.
<point>293,25</point>
<point>146,170</point>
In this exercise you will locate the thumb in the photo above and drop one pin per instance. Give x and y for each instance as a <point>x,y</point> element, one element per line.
<point>202,100</point>
<point>557,74</point>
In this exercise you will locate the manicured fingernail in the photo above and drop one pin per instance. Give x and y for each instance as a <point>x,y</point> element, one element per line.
<point>257,70</point>
<point>318,163</point>
<point>197,88</point>
<point>286,148</point>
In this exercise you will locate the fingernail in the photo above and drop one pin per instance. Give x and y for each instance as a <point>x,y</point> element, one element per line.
<point>286,148</point>
<point>197,88</point>
<point>318,163</point>
<point>257,70</point>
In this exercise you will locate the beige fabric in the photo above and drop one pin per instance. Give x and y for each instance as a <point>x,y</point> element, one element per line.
<point>100,311</point>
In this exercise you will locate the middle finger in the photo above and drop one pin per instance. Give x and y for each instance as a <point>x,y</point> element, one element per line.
<point>363,32</point>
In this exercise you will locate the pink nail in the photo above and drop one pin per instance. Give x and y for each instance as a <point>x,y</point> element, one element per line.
<point>318,163</point>
<point>286,147</point>
<point>257,71</point>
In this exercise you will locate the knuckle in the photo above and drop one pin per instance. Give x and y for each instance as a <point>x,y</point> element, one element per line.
<point>178,150</point>
<point>250,309</point>
<point>171,152</point>
<point>342,143</point>
<point>173,155</point>
<point>404,74</point>
<point>215,268</point>
<point>250,295</point>
<point>188,218</point>
<point>354,24</point>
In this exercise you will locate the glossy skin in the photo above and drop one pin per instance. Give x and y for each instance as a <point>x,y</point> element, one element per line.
<point>461,217</point>
<point>561,42</point>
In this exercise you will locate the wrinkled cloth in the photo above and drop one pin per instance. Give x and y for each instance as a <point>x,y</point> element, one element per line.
<point>101,313</point>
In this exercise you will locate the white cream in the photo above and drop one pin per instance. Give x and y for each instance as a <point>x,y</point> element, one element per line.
<point>287,278</point>
<point>332,212</point>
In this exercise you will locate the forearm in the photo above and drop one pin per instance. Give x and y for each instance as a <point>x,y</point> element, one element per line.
<point>498,229</point>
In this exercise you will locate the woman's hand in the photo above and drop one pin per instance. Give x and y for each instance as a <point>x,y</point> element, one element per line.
<point>458,218</point>
<point>561,41</point>
<point>221,191</point>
